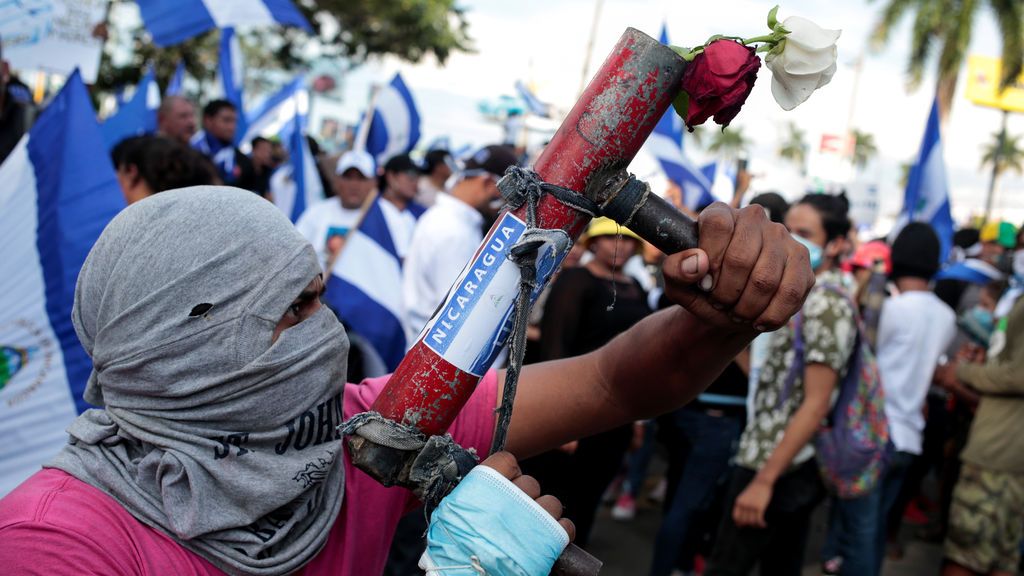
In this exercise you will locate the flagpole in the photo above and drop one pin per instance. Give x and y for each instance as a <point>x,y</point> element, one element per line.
<point>364,209</point>
<point>364,128</point>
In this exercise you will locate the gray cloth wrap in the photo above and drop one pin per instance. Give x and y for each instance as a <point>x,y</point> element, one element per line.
<point>210,432</point>
<point>439,463</point>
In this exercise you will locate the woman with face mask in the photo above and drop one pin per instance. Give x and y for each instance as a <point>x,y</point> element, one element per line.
<point>776,485</point>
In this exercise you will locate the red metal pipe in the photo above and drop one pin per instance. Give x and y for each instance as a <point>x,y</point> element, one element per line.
<point>601,135</point>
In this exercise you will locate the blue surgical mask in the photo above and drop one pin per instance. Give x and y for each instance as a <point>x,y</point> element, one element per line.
<point>815,251</point>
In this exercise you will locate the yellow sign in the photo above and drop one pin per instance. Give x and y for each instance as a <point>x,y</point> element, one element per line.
<point>983,73</point>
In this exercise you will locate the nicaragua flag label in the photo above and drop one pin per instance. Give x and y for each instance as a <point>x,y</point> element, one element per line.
<point>474,323</point>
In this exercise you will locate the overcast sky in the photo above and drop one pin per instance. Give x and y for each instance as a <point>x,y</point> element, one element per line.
<point>544,43</point>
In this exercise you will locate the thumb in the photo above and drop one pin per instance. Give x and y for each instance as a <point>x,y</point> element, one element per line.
<point>686,267</point>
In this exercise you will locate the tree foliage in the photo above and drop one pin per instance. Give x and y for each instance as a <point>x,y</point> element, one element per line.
<point>1010,154</point>
<point>794,147</point>
<point>864,148</point>
<point>729,143</point>
<point>347,30</point>
<point>941,32</point>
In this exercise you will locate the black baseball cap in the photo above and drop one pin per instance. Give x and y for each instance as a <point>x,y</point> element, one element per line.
<point>403,163</point>
<point>494,159</point>
<point>436,157</point>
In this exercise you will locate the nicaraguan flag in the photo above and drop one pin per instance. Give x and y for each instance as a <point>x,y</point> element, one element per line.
<point>971,270</point>
<point>57,192</point>
<point>395,127</point>
<point>173,21</point>
<point>927,195</point>
<point>722,176</point>
<point>666,145</point>
<point>365,287</point>
<point>231,71</point>
<point>284,115</point>
<point>174,86</point>
<point>136,116</point>
<point>533,104</point>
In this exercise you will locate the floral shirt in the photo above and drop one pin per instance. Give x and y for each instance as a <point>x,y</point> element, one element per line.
<point>829,334</point>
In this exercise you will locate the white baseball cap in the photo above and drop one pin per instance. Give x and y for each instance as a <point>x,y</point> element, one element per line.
<point>359,160</point>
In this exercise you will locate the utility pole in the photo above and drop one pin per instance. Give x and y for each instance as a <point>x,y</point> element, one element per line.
<point>584,76</point>
<point>995,166</point>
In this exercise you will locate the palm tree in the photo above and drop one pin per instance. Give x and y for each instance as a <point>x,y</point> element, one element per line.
<point>945,26</point>
<point>864,148</point>
<point>699,136</point>
<point>794,147</point>
<point>730,143</point>
<point>1010,152</point>
<point>1004,153</point>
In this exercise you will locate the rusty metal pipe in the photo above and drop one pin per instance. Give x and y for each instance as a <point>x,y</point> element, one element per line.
<point>600,136</point>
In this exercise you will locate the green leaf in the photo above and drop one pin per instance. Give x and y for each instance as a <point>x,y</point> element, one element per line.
<point>778,48</point>
<point>681,104</point>
<point>772,21</point>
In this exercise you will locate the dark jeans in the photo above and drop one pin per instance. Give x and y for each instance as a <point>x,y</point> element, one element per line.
<point>709,444</point>
<point>639,459</point>
<point>854,525</point>
<point>892,487</point>
<point>857,526</point>
<point>780,546</point>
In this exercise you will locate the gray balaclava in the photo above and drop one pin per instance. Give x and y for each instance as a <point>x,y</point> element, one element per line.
<point>209,432</point>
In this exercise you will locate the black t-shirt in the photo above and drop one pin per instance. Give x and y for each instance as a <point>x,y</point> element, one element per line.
<point>576,316</point>
<point>732,383</point>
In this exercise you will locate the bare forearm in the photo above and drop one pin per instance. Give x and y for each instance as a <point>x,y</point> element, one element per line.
<point>656,366</point>
<point>799,432</point>
<point>666,360</point>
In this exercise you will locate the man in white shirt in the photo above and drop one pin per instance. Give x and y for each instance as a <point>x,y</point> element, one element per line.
<point>914,330</point>
<point>398,186</point>
<point>449,233</point>
<point>326,224</point>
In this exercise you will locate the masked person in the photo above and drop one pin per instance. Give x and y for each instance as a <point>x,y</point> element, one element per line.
<point>219,380</point>
<point>775,485</point>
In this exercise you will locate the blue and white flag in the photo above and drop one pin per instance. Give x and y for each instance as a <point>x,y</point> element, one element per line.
<point>395,127</point>
<point>927,195</point>
<point>231,71</point>
<point>365,287</point>
<point>722,175</point>
<point>57,193</point>
<point>175,85</point>
<point>136,116</point>
<point>972,270</point>
<point>666,145</point>
<point>533,104</point>
<point>284,115</point>
<point>171,22</point>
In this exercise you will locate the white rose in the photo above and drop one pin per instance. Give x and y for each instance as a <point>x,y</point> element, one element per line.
<point>806,63</point>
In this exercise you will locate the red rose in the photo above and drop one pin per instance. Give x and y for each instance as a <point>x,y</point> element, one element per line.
<point>718,82</point>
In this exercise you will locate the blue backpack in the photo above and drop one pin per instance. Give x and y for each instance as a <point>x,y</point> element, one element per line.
<point>851,448</point>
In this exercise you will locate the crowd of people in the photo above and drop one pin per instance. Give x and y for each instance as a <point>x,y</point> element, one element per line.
<point>747,460</point>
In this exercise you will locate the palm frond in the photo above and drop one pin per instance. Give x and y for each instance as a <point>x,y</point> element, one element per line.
<point>1010,17</point>
<point>891,16</point>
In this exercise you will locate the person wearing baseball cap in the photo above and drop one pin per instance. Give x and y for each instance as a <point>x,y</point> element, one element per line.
<point>439,166</point>
<point>398,184</point>
<point>327,223</point>
<point>449,232</point>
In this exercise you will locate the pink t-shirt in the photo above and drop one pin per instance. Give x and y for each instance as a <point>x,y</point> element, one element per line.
<point>55,524</point>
